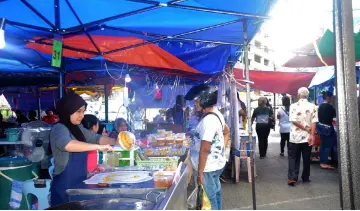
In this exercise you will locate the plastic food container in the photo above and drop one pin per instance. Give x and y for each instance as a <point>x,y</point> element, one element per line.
<point>170,140</point>
<point>161,141</point>
<point>113,158</point>
<point>163,179</point>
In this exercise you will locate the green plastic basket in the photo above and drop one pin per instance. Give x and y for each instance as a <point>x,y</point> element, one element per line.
<point>156,163</point>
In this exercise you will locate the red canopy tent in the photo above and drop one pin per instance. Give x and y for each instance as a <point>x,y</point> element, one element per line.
<point>276,81</point>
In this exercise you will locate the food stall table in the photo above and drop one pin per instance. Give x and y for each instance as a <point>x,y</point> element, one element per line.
<point>174,197</point>
<point>5,143</point>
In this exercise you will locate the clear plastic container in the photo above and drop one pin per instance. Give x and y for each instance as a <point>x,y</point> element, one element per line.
<point>112,158</point>
<point>163,179</point>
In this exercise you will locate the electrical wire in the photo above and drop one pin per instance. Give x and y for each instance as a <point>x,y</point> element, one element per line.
<point>116,79</point>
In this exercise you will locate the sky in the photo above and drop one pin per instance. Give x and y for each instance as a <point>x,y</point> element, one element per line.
<point>295,23</point>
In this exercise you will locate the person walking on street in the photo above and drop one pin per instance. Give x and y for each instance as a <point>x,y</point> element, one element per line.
<point>263,115</point>
<point>303,116</point>
<point>285,124</point>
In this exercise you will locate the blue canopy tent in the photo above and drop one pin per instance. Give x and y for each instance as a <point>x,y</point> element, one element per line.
<point>205,34</point>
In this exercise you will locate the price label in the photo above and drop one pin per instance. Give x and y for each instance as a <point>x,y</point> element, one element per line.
<point>56,53</point>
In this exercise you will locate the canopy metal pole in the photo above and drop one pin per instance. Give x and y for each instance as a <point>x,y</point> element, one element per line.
<point>38,102</point>
<point>235,113</point>
<point>248,102</point>
<point>106,104</point>
<point>348,121</point>
<point>61,85</point>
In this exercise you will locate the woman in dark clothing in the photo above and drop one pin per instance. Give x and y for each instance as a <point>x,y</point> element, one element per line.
<point>20,117</point>
<point>325,128</point>
<point>262,114</point>
<point>33,115</point>
<point>178,110</point>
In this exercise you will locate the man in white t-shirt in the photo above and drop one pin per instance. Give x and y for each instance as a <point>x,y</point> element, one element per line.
<point>207,152</point>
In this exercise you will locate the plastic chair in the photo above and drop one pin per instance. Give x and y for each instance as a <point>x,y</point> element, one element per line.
<point>40,193</point>
<point>242,154</point>
<point>51,168</point>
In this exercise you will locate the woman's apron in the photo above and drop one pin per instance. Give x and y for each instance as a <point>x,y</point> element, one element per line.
<point>74,173</point>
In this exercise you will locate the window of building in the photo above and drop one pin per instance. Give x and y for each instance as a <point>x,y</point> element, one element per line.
<point>257,44</point>
<point>266,62</point>
<point>266,49</point>
<point>257,58</point>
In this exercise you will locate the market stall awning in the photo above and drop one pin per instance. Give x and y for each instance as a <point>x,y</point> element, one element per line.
<point>276,81</point>
<point>305,61</point>
<point>325,45</point>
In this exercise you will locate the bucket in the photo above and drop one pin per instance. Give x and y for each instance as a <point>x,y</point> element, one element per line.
<point>17,168</point>
<point>12,134</point>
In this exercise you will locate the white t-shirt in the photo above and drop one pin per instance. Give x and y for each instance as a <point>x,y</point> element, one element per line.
<point>209,129</point>
<point>285,124</point>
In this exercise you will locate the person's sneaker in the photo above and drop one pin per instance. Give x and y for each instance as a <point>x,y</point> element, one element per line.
<point>282,154</point>
<point>262,157</point>
<point>291,182</point>
<point>306,181</point>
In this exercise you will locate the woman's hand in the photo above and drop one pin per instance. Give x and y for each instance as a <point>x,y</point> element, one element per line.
<point>105,148</point>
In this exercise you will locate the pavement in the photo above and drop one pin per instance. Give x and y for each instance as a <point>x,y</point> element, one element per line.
<point>272,191</point>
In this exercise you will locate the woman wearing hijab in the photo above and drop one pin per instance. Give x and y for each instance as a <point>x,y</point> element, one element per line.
<point>120,125</point>
<point>70,142</point>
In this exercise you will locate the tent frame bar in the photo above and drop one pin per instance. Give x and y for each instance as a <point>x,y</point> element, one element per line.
<point>160,35</point>
<point>203,9</point>
<point>84,29</point>
<point>13,23</point>
<point>174,36</point>
<point>28,5</point>
<point>57,14</point>
<point>66,47</point>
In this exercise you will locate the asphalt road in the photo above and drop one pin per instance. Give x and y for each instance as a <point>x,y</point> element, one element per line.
<point>272,191</point>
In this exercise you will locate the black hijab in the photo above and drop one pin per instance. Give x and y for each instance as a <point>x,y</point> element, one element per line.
<point>66,106</point>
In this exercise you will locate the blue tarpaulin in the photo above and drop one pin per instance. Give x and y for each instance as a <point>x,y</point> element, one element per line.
<point>204,34</point>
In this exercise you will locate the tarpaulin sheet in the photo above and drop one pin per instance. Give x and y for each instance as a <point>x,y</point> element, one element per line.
<point>144,96</point>
<point>309,61</point>
<point>21,98</point>
<point>149,55</point>
<point>275,81</point>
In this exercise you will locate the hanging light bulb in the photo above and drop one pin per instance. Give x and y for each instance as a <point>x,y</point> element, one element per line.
<point>127,78</point>
<point>2,33</point>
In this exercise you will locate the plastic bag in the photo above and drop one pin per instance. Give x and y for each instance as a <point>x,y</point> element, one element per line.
<point>202,202</point>
<point>227,153</point>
